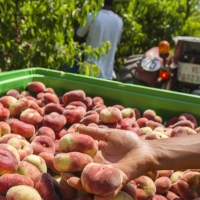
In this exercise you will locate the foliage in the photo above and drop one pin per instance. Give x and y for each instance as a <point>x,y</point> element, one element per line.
<point>37,33</point>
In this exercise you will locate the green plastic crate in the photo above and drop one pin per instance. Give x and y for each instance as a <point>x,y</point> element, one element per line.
<point>166,103</point>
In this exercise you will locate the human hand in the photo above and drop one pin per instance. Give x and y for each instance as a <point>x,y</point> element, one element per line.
<point>123,150</point>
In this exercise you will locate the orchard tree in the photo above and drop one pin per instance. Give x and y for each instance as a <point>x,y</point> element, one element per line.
<point>37,33</point>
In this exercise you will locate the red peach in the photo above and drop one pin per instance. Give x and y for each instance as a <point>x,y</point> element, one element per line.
<point>110,115</point>
<point>79,143</point>
<point>100,179</point>
<point>54,120</point>
<point>9,180</point>
<point>36,86</point>
<point>43,143</point>
<point>73,95</point>
<point>71,162</point>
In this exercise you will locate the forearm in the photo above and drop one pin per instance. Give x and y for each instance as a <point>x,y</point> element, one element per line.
<point>176,153</point>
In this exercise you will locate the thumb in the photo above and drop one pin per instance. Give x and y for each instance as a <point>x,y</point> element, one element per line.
<point>75,182</point>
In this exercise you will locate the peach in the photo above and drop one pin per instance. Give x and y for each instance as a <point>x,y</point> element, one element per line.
<point>152,124</point>
<point>184,123</point>
<point>82,197</point>
<point>165,172</point>
<point>49,90</point>
<point>59,134</point>
<point>73,95</point>
<point>181,131</point>
<point>28,169</point>
<point>12,150</point>
<point>21,128</point>
<point>45,130</point>
<point>90,117</point>
<point>172,196</point>
<point>191,118</point>
<point>97,101</point>
<point>14,93</point>
<point>119,106</point>
<point>77,104</point>
<point>128,113</point>
<point>158,197</point>
<point>8,161</point>
<point>150,135</point>
<point>4,113</point>
<point>36,86</point>
<point>5,138</point>
<point>79,143</point>
<point>74,114</point>
<point>145,188</point>
<point>88,103</point>
<point>73,128</point>
<point>57,149</point>
<point>175,176</point>
<point>17,107</point>
<point>67,191</point>
<point>20,192</point>
<point>31,116</point>
<point>152,174</point>
<point>142,122</point>
<point>5,128</point>
<point>25,93</point>
<point>188,185</point>
<point>53,107</point>
<point>130,190</point>
<point>51,98</point>
<point>110,115</point>
<point>49,157</point>
<point>42,143</point>
<point>22,146</point>
<point>123,195</point>
<point>99,108</point>
<point>144,130</point>
<point>137,113</point>
<point>54,120</point>
<point>163,184</point>
<point>6,101</point>
<point>172,121</point>
<point>34,105</point>
<point>149,114</point>
<point>48,187</point>
<point>130,124</point>
<point>71,162</point>
<point>9,180</point>
<point>100,179</point>
<point>38,161</point>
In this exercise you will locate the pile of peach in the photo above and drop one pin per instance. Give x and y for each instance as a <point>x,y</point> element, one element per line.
<point>40,148</point>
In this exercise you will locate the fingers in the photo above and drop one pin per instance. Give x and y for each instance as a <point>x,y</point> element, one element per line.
<point>75,182</point>
<point>95,133</point>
